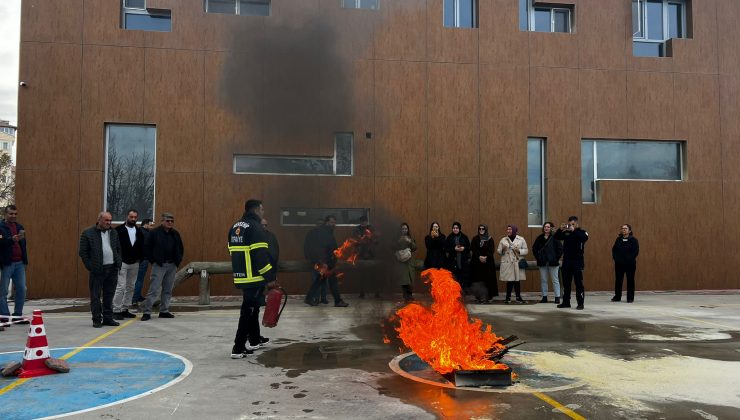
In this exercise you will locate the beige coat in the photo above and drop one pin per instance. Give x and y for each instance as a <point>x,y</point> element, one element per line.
<point>510,270</point>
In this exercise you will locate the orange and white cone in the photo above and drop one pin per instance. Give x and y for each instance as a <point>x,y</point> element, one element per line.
<point>37,350</point>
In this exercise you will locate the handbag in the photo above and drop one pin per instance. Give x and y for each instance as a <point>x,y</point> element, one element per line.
<point>403,255</point>
<point>523,264</point>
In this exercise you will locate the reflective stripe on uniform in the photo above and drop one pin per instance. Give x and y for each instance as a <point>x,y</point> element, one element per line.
<point>245,249</point>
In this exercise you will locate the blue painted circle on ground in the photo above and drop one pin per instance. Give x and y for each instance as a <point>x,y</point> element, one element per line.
<point>99,376</point>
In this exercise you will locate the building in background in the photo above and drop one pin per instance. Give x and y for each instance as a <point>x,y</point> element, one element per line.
<point>7,163</point>
<point>496,112</point>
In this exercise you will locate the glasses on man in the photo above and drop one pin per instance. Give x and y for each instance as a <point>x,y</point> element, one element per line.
<point>169,220</point>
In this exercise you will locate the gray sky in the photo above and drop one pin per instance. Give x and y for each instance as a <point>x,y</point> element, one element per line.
<point>10,35</point>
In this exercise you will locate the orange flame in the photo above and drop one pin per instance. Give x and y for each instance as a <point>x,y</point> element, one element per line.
<point>347,251</point>
<point>444,335</point>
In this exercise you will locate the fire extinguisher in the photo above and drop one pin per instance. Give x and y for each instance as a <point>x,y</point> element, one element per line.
<point>273,309</point>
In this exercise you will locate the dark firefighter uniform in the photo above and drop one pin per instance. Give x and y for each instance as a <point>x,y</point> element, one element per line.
<point>250,261</point>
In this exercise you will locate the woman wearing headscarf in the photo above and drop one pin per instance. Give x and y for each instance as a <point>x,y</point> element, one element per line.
<point>457,247</point>
<point>625,252</point>
<point>405,247</point>
<point>482,266</point>
<point>435,243</point>
<point>512,248</point>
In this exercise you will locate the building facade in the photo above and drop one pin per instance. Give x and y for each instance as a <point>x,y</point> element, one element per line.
<point>487,111</point>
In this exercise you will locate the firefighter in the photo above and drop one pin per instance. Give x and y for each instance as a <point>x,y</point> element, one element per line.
<point>250,262</point>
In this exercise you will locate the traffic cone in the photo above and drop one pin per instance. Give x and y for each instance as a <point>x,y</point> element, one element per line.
<point>37,350</point>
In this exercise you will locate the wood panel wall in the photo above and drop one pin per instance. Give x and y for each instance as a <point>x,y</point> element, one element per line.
<point>449,112</point>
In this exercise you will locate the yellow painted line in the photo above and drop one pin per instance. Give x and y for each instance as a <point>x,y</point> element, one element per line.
<point>563,409</point>
<point>685,318</point>
<point>19,382</point>
<point>14,384</point>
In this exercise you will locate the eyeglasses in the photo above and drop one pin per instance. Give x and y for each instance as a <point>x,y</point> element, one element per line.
<point>481,228</point>
<point>169,221</point>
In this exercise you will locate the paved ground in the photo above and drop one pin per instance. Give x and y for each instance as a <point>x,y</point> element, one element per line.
<point>669,355</point>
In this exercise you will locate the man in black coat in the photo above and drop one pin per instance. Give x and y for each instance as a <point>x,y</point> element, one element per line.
<point>574,243</point>
<point>131,238</point>
<point>100,251</point>
<point>14,259</point>
<point>318,249</point>
<point>164,251</point>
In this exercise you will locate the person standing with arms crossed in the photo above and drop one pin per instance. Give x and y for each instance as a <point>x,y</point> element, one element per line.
<point>574,243</point>
<point>625,250</point>
<point>14,259</point>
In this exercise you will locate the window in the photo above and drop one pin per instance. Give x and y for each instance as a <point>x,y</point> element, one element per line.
<point>6,145</point>
<point>340,164</point>
<point>461,13</point>
<point>130,152</point>
<point>544,18</point>
<point>535,182</point>
<point>628,160</point>
<point>239,7</point>
<point>361,4</point>
<point>295,216</point>
<point>654,22</point>
<point>136,16</point>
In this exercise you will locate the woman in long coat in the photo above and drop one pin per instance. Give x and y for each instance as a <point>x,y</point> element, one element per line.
<point>408,271</point>
<point>625,250</point>
<point>457,247</point>
<point>482,266</point>
<point>435,243</point>
<point>512,248</point>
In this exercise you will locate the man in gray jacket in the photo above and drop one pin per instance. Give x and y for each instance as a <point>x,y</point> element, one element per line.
<point>100,251</point>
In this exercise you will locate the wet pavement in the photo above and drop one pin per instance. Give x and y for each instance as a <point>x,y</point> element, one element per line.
<point>664,356</point>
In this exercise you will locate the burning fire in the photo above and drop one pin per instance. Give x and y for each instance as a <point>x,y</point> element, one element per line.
<point>347,251</point>
<point>444,336</point>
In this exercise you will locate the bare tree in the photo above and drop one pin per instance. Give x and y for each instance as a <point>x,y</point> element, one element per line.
<point>130,183</point>
<point>7,180</point>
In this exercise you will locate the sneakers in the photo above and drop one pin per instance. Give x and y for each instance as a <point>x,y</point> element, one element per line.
<point>507,301</point>
<point>146,317</point>
<point>166,315</point>
<point>240,354</point>
<point>341,304</point>
<point>97,324</point>
<point>557,300</point>
<point>110,323</point>
<point>262,343</point>
<point>520,301</point>
<point>127,314</point>
<point>544,299</point>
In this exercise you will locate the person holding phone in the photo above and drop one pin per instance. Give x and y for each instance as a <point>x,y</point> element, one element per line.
<point>435,243</point>
<point>574,243</point>
<point>14,258</point>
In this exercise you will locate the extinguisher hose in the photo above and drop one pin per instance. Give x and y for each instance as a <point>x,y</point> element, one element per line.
<point>285,301</point>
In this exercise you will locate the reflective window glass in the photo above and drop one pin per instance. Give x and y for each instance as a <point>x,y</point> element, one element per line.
<point>254,8</point>
<point>340,164</point>
<point>588,185</point>
<point>148,22</point>
<point>535,182</point>
<point>542,22</point>
<point>129,170</point>
<point>654,19</point>
<point>369,4</point>
<point>638,160</point>
<point>561,20</point>
<point>300,216</point>
<point>449,13</point>
<point>647,49</point>
<point>222,6</point>
<point>675,21</point>
<point>524,15</point>
<point>466,14</point>
<point>637,19</point>
<point>135,4</point>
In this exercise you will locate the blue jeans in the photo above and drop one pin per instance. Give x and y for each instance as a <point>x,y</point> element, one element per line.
<point>552,271</point>
<point>17,272</point>
<point>140,281</point>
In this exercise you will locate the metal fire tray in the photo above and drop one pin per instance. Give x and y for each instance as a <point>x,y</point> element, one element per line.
<point>476,378</point>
